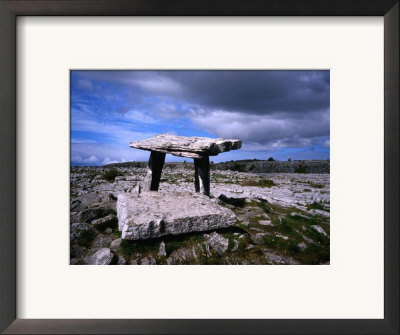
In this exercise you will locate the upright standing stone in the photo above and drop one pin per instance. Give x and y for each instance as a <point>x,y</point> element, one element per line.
<point>202,175</point>
<point>154,169</point>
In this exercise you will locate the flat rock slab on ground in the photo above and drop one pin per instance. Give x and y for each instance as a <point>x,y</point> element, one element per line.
<point>154,214</point>
<point>194,147</point>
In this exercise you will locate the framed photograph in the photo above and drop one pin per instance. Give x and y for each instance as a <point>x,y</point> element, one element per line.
<point>199,167</point>
<point>199,185</point>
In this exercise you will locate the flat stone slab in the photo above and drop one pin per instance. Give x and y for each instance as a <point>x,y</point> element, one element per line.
<point>154,214</point>
<point>192,147</point>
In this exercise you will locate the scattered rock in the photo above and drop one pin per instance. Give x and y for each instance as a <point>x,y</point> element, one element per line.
<point>319,212</point>
<point>235,245</point>
<point>236,202</point>
<point>302,246</point>
<point>274,258</point>
<point>319,230</point>
<point>180,256</point>
<point>81,226</point>
<point>217,242</point>
<point>258,237</point>
<point>121,260</point>
<point>161,250</point>
<point>134,178</point>
<point>76,205</point>
<point>100,257</point>
<point>77,251</point>
<point>102,241</point>
<point>115,244</point>
<point>307,239</point>
<point>75,261</point>
<point>77,229</point>
<point>207,250</point>
<point>149,260</point>
<point>265,223</point>
<point>105,220</point>
<point>89,215</point>
<point>282,236</point>
<point>298,214</point>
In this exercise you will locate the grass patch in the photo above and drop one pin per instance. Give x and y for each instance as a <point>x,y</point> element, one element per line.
<point>110,175</point>
<point>113,224</point>
<point>128,248</point>
<point>314,235</point>
<point>114,260</point>
<point>303,219</point>
<point>294,224</point>
<point>314,184</point>
<point>316,205</point>
<point>300,169</point>
<point>259,183</point>
<point>86,238</point>
<point>315,254</point>
<point>220,176</point>
<point>286,247</point>
<point>173,243</point>
<point>215,259</point>
<point>263,205</point>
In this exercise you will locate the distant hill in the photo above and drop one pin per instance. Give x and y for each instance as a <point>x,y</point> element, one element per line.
<point>259,166</point>
<point>256,166</point>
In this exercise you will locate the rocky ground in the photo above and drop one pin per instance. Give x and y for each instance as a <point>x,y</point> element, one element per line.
<point>282,218</point>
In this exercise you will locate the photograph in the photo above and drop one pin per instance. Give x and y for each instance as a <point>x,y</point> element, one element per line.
<point>199,167</point>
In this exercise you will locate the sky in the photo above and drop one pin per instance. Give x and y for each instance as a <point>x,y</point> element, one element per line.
<point>279,114</point>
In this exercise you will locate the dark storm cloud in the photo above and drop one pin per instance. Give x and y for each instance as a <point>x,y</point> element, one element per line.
<point>256,92</point>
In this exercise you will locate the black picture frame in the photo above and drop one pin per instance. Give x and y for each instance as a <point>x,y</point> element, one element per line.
<point>9,10</point>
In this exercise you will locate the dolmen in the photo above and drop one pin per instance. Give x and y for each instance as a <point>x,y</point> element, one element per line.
<point>151,214</point>
<point>198,148</point>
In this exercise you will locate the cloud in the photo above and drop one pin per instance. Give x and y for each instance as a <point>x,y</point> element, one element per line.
<point>100,154</point>
<point>279,130</point>
<point>107,160</point>
<point>139,116</point>
<point>257,92</point>
<point>112,131</point>
<point>75,141</point>
<point>89,160</point>
<point>159,84</point>
<point>85,84</point>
